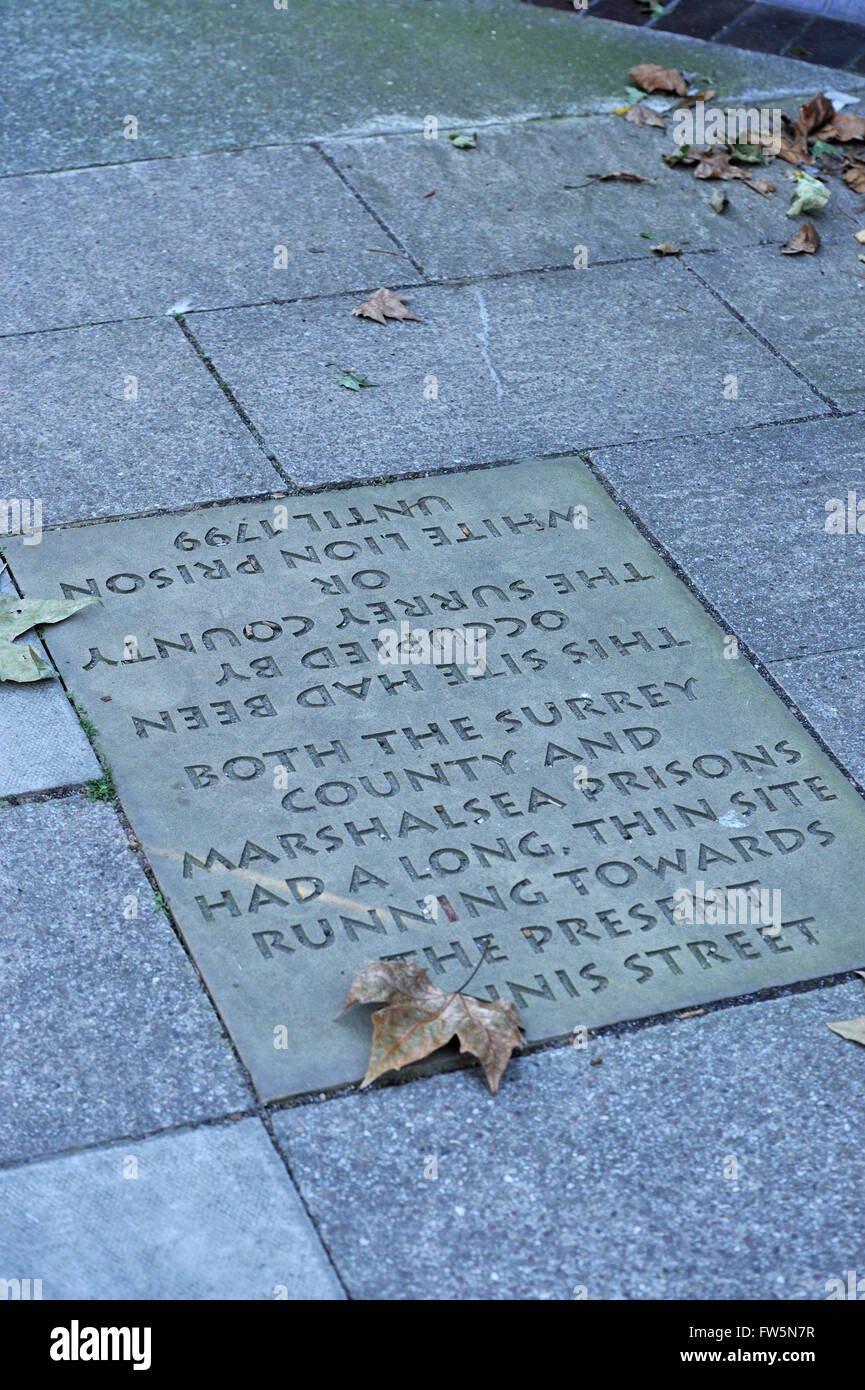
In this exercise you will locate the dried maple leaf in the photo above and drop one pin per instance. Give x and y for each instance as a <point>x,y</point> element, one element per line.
<point>653,78</point>
<point>806,239</point>
<point>23,664</point>
<point>382,305</point>
<point>419,1018</point>
<point>644,115</point>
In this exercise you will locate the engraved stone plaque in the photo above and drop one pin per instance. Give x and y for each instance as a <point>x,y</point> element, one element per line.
<point>474,712</point>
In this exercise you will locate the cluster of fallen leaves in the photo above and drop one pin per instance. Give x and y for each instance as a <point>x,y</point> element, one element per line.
<point>419,1018</point>
<point>18,615</point>
<point>810,142</point>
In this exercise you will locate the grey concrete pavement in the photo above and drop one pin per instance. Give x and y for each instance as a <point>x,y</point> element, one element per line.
<point>206,1213</point>
<point>707,1158</point>
<point>613,1178</point>
<point>106,1028</point>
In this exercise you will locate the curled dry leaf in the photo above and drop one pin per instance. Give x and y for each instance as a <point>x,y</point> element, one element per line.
<point>814,113</point>
<point>653,78</point>
<point>17,615</point>
<point>806,239</point>
<point>419,1018</point>
<point>719,200</point>
<point>622,176</point>
<point>644,115</point>
<point>809,195</point>
<point>382,305</point>
<point>666,248</point>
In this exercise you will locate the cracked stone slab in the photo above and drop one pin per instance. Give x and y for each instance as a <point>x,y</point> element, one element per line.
<point>302,811</point>
<point>89,245</point>
<point>525,197</point>
<point>529,364</point>
<point>745,515</point>
<point>207,1213</point>
<point>810,311</point>
<point>105,1028</point>
<point>42,744</point>
<point>681,1167</point>
<point>255,75</point>
<point>117,418</point>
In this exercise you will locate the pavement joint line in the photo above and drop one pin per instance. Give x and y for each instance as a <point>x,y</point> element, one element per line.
<point>744,648</point>
<point>343,484</point>
<point>829,651</point>
<point>387,132</point>
<point>368,207</point>
<point>442,282</point>
<point>767,343</point>
<point>230,397</point>
<point>97,1145</point>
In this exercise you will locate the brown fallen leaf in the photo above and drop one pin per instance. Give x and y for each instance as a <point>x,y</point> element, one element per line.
<point>644,115</point>
<point>712,162</point>
<point>420,1017</point>
<point>843,126</point>
<point>653,78</point>
<point>719,200</point>
<point>666,248</point>
<point>763,186</point>
<point>806,239</point>
<point>622,175</point>
<point>382,305</point>
<point>854,175</point>
<point>793,153</point>
<point>814,113</point>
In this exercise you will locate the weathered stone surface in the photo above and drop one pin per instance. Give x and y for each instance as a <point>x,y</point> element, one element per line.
<point>812,312</point>
<point>120,417</point>
<point>307,805</point>
<point>745,514</point>
<point>203,1214</point>
<point>137,239</point>
<point>712,1157</point>
<point>255,75</point>
<point>525,197</point>
<point>105,1028</point>
<point>529,364</point>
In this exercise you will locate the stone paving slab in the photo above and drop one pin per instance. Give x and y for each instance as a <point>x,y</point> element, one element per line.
<point>524,365</point>
<point>737,515</point>
<point>813,315</point>
<point>42,744</point>
<point>90,245</point>
<point>605,1181</point>
<point>73,439</point>
<point>505,205</point>
<point>257,75</point>
<point>106,1029</point>
<point>208,1213</point>
<point>290,804</point>
<point>830,689</point>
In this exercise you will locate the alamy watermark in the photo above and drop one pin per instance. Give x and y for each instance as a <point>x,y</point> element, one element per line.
<point>740,907</point>
<point>22,516</point>
<point>440,646</point>
<point>714,125</point>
